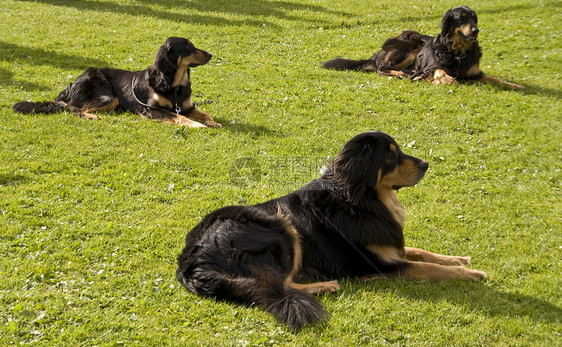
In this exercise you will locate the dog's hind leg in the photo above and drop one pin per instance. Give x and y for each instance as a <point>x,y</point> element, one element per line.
<point>86,111</point>
<point>90,92</point>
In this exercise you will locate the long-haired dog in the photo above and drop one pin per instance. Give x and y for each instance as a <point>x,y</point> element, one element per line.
<point>453,55</point>
<point>347,223</point>
<point>162,92</point>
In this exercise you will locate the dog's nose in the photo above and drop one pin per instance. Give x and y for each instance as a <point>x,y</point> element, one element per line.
<point>475,30</point>
<point>423,166</point>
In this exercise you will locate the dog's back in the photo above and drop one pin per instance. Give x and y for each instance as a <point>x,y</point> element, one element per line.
<point>398,52</point>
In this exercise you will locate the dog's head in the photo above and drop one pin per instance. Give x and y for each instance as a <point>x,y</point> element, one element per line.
<point>373,160</point>
<point>175,54</point>
<point>460,24</point>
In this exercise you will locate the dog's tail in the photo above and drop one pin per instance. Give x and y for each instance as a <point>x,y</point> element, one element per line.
<point>55,106</point>
<point>348,64</point>
<point>39,107</point>
<point>265,288</point>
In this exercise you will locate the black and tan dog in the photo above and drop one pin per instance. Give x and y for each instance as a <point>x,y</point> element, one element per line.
<point>453,55</point>
<point>348,223</point>
<point>162,92</point>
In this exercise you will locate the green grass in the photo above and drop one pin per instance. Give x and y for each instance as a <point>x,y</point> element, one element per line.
<point>94,213</point>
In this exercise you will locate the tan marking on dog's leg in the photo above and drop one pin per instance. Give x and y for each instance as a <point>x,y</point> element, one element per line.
<point>309,288</point>
<point>87,115</point>
<point>87,112</point>
<point>386,253</point>
<point>162,101</point>
<point>474,71</point>
<point>178,119</point>
<point>203,117</point>
<point>410,59</point>
<point>395,73</point>
<point>373,277</point>
<point>422,271</point>
<point>416,254</point>
<point>187,103</point>
<point>317,287</point>
<point>297,249</point>
<point>496,81</point>
<point>184,121</point>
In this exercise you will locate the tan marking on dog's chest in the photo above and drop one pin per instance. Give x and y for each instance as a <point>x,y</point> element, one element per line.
<point>180,77</point>
<point>390,199</point>
<point>458,44</point>
<point>187,103</point>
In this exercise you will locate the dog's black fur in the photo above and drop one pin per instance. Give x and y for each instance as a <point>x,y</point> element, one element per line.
<point>348,223</point>
<point>451,56</point>
<point>162,92</point>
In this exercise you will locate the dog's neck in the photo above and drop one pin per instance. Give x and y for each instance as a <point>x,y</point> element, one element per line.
<point>390,200</point>
<point>460,45</point>
<point>181,77</point>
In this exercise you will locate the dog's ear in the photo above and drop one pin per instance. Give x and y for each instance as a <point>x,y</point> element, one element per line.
<point>355,169</point>
<point>161,73</point>
<point>447,23</point>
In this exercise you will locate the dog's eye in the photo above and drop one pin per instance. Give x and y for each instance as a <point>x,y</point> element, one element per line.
<point>392,156</point>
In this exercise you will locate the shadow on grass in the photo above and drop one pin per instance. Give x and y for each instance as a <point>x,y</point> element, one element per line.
<point>250,128</point>
<point>250,8</point>
<point>10,179</point>
<point>477,297</point>
<point>184,132</point>
<point>7,78</point>
<point>37,57</point>
<point>536,90</point>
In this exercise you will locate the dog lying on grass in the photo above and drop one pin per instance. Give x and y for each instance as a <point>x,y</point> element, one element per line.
<point>162,92</point>
<point>348,223</point>
<point>452,56</point>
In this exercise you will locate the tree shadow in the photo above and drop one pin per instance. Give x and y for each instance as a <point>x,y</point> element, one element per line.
<point>35,56</point>
<point>11,178</point>
<point>476,296</point>
<point>7,78</point>
<point>250,8</point>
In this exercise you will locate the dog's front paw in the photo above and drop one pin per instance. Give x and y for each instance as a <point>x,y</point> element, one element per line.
<point>441,77</point>
<point>514,86</point>
<point>184,121</point>
<point>460,261</point>
<point>331,287</point>
<point>213,124</point>
<point>88,116</point>
<point>445,80</point>
<point>476,275</point>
